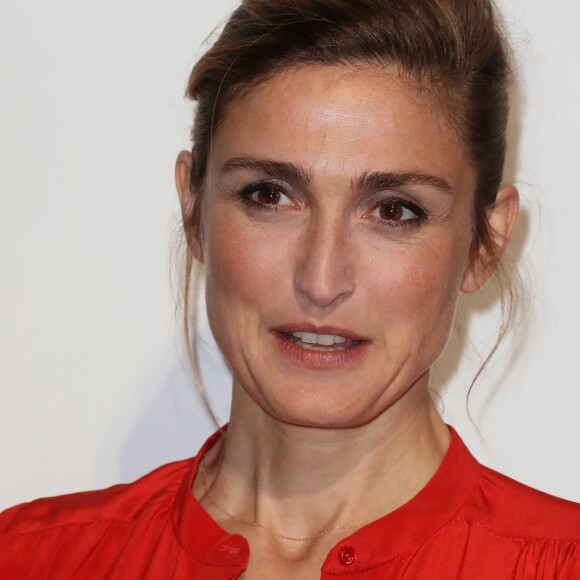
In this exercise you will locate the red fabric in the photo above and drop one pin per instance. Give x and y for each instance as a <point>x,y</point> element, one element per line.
<point>468,522</point>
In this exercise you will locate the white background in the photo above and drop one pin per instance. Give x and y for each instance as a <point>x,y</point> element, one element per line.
<point>93,389</point>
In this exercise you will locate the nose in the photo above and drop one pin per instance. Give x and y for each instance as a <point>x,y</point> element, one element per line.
<point>324,275</point>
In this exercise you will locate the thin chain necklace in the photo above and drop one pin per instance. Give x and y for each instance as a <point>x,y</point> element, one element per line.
<point>266,528</point>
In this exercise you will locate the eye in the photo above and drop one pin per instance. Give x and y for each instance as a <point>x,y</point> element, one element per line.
<point>266,194</point>
<point>400,211</point>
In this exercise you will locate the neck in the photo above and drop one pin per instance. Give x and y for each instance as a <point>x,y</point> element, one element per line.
<point>300,480</point>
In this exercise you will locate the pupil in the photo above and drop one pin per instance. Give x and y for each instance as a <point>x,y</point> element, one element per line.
<point>392,211</point>
<point>269,196</point>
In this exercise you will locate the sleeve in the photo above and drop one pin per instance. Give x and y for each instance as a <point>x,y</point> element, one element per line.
<point>549,560</point>
<point>29,551</point>
<point>14,550</point>
<point>6,518</point>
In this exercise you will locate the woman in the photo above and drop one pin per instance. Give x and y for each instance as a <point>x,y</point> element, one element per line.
<point>344,187</point>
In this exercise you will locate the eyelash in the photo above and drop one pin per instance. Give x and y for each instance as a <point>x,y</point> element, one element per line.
<point>415,222</point>
<point>245,193</point>
<point>421,215</point>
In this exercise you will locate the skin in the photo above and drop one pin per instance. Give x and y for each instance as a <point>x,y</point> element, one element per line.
<point>311,447</point>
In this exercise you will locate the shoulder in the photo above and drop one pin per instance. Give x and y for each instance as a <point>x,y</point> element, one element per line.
<point>119,503</point>
<point>512,509</point>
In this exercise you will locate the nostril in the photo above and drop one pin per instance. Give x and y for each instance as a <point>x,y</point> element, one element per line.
<point>325,275</point>
<point>323,296</point>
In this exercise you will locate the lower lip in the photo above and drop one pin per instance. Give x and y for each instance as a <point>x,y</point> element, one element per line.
<point>319,359</point>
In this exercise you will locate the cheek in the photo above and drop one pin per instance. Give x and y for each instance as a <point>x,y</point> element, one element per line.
<point>414,287</point>
<point>244,271</point>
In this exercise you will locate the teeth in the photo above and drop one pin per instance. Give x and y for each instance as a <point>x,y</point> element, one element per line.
<point>309,337</point>
<point>326,339</point>
<point>322,339</point>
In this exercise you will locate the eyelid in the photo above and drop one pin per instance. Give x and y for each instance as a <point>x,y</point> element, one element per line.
<point>246,194</point>
<point>415,216</point>
<point>392,195</point>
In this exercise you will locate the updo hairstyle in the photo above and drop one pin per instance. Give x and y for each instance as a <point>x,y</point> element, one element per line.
<point>453,50</point>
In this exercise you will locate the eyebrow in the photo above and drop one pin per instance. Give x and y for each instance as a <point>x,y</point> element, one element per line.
<point>378,180</point>
<point>375,180</point>
<point>279,169</point>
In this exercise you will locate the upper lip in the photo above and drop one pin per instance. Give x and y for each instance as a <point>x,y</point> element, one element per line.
<point>314,328</point>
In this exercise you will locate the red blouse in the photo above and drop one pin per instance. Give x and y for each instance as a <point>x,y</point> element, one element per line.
<point>468,522</point>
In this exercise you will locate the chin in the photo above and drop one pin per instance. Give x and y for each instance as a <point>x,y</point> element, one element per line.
<point>320,407</point>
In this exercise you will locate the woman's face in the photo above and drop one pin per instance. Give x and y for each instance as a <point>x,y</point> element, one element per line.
<point>337,229</point>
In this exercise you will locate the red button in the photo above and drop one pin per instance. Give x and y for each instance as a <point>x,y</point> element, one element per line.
<point>230,547</point>
<point>346,555</point>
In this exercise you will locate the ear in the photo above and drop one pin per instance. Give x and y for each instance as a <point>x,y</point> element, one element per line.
<point>501,218</point>
<point>187,194</point>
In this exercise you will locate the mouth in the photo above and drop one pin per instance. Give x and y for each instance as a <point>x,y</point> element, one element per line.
<point>321,342</point>
<point>320,346</point>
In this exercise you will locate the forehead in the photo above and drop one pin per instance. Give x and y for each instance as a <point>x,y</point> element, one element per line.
<point>340,121</point>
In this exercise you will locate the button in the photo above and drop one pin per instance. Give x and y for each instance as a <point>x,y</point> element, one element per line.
<point>346,555</point>
<point>231,550</point>
<point>230,547</point>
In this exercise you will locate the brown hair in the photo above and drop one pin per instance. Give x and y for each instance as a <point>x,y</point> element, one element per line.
<point>453,49</point>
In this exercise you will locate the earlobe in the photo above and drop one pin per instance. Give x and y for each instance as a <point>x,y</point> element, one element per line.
<point>186,194</point>
<point>501,218</point>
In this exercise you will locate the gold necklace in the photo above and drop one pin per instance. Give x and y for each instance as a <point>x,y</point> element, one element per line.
<point>266,528</point>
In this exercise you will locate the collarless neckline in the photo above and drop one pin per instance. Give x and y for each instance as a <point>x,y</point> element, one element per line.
<point>383,539</point>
